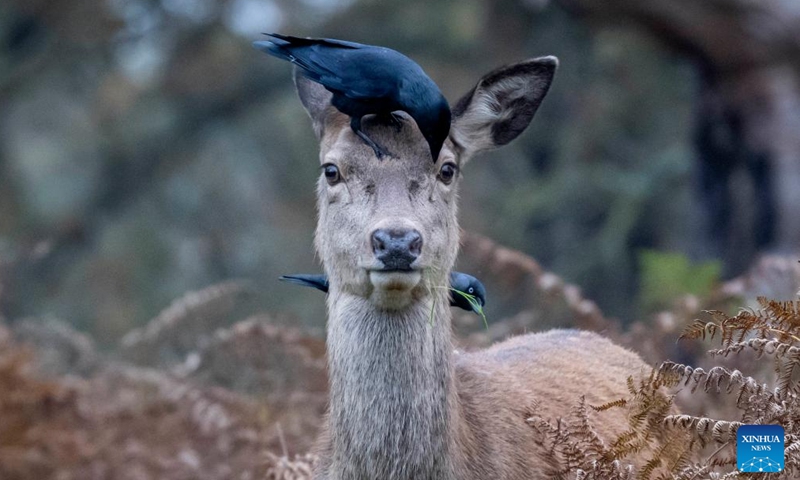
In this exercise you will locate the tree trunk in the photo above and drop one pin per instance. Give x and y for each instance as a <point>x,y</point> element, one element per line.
<point>748,117</point>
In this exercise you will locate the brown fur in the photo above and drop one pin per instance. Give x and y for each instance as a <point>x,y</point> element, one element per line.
<point>403,404</point>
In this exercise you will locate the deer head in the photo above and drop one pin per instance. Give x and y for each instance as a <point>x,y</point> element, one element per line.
<point>387,228</point>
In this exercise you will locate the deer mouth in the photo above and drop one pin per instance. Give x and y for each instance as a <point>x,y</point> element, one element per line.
<point>395,279</point>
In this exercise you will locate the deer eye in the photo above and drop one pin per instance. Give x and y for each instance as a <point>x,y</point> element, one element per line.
<point>447,173</point>
<point>331,174</point>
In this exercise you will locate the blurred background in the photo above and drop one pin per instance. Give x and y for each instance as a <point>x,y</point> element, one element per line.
<point>147,150</point>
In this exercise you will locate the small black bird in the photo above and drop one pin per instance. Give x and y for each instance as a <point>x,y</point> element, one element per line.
<point>366,80</point>
<point>458,281</point>
<point>461,282</point>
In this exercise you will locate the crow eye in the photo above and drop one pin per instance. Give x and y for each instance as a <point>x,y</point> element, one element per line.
<point>331,173</point>
<point>447,173</point>
<point>471,290</point>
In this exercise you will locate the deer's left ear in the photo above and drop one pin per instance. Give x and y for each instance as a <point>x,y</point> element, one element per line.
<point>501,105</point>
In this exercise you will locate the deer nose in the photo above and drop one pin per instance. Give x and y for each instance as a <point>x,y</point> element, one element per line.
<point>396,248</point>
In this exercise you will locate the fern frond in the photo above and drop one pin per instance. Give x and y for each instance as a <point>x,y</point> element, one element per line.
<point>700,329</point>
<point>621,402</point>
<point>784,314</point>
<point>761,347</point>
<point>713,379</point>
<point>704,429</point>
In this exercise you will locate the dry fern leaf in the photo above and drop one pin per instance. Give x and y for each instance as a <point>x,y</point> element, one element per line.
<point>713,379</point>
<point>704,429</point>
<point>621,402</point>
<point>785,314</point>
<point>761,346</point>
<point>699,330</point>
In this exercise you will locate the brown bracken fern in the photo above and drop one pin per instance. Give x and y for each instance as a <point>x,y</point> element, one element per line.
<point>772,333</point>
<point>693,447</point>
<point>576,449</point>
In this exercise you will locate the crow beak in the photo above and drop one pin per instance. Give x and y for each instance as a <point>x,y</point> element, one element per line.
<point>477,309</point>
<point>435,151</point>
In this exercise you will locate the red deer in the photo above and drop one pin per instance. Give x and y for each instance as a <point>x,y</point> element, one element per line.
<point>403,404</point>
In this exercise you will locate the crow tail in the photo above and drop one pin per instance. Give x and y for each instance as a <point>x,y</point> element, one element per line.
<point>274,48</point>
<point>280,48</point>
<point>320,282</point>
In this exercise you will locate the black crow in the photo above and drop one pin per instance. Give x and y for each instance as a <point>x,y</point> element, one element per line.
<point>469,285</point>
<point>366,80</point>
<point>458,281</point>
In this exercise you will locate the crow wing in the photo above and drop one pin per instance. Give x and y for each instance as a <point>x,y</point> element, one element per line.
<point>284,40</point>
<point>360,72</point>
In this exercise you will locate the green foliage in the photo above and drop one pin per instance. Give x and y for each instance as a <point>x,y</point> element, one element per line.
<point>666,276</point>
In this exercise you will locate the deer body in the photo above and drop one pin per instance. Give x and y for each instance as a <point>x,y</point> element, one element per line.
<point>409,407</point>
<point>403,404</point>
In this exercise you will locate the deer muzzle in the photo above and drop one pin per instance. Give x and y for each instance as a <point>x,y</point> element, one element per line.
<point>396,248</point>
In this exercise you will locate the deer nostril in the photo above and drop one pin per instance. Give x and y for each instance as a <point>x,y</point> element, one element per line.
<point>396,248</point>
<point>379,240</point>
<point>415,243</point>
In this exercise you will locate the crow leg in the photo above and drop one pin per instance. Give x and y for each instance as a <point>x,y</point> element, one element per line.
<point>355,124</point>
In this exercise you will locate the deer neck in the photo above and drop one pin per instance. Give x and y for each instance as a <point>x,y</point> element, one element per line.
<point>393,408</point>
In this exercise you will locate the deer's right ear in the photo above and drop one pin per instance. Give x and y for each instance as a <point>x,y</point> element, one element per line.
<point>501,105</point>
<point>316,100</point>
